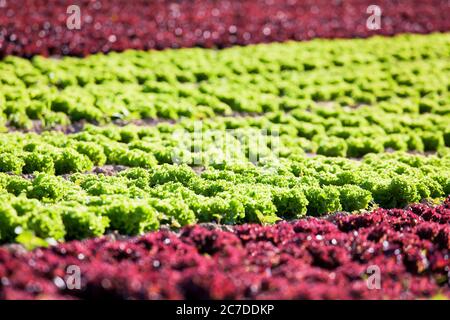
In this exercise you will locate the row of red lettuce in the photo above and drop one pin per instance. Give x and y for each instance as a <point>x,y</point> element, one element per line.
<point>31,27</point>
<point>396,253</point>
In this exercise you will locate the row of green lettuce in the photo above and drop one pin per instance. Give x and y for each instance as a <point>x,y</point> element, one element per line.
<point>402,74</point>
<point>137,200</point>
<point>324,130</point>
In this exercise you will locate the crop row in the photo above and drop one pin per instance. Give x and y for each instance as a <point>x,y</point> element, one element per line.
<point>332,131</point>
<point>137,200</point>
<point>387,254</point>
<point>401,75</point>
<point>32,27</point>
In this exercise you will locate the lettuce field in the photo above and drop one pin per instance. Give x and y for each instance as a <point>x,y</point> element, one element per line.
<point>224,150</point>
